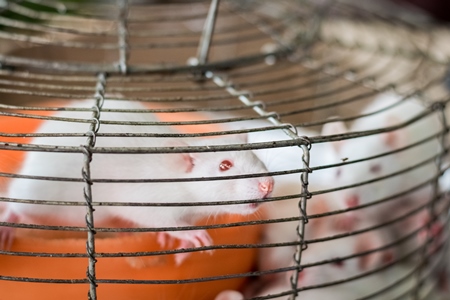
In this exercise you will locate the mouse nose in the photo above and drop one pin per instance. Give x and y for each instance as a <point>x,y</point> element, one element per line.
<point>352,201</point>
<point>266,185</point>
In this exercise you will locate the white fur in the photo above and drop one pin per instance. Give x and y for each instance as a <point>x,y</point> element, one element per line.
<point>285,159</point>
<point>281,159</point>
<point>358,288</point>
<point>330,272</point>
<point>229,295</point>
<point>358,148</point>
<point>134,166</point>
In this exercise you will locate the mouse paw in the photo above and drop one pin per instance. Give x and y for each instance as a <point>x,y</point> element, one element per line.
<point>181,257</point>
<point>7,233</point>
<point>189,239</point>
<point>198,238</point>
<point>434,232</point>
<point>164,239</point>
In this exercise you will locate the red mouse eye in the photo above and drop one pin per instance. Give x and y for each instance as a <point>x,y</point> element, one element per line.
<point>338,263</point>
<point>225,165</point>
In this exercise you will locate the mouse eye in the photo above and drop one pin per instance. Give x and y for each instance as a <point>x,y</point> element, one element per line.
<point>375,168</point>
<point>225,165</point>
<point>338,263</point>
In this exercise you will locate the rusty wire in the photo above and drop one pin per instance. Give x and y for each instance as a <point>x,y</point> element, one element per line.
<point>307,77</point>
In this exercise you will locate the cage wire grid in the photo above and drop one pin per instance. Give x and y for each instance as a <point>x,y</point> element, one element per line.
<point>293,63</point>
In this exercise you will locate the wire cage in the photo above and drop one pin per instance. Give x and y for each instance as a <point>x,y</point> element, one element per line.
<point>107,105</point>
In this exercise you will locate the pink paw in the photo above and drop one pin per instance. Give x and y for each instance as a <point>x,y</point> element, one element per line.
<point>164,239</point>
<point>437,229</point>
<point>189,239</point>
<point>434,232</point>
<point>198,238</point>
<point>7,233</point>
<point>6,237</point>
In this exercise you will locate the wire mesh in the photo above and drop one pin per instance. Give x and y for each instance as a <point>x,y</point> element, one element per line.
<point>221,67</point>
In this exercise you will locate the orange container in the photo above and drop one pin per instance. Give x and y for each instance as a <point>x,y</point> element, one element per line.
<point>197,265</point>
<point>159,267</point>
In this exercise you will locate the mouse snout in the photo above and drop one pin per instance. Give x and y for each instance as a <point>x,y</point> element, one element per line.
<point>266,186</point>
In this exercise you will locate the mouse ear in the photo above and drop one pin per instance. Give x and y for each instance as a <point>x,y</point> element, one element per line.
<point>184,161</point>
<point>333,128</point>
<point>368,260</point>
<point>318,205</point>
<point>336,127</point>
<point>367,242</point>
<point>394,138</point>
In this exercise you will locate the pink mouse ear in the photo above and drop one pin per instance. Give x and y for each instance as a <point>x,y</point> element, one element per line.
<point>368,260</point>
<point>333,128</point>
<point>371,241</point>
<point>394,138</point>
<point>183,161</point>
<point>318,205</point>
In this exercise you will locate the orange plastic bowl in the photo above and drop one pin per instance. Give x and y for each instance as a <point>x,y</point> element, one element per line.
<point>29,269</point>
<point>197,265</point>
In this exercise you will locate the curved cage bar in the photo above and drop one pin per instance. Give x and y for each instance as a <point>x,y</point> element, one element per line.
<point>108,107</point>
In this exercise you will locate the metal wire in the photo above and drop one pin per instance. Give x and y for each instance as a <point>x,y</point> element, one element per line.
<point>286,62</point>
<point>86,174</point>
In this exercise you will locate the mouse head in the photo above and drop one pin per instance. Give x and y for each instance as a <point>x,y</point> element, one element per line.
<point>361,148</point>
<point>224,163</point>
<point>339,267</point>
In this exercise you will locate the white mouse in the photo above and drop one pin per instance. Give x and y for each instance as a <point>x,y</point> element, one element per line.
<point>371,285</point>
<point>337,269</point>
<point>134,166</point>
<point>331,271</point>
<point>359,148</point>
<point>286,159</point>
<point>282,257</point>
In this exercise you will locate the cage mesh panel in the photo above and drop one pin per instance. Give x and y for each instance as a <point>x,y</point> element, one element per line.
<point>293,63</point>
